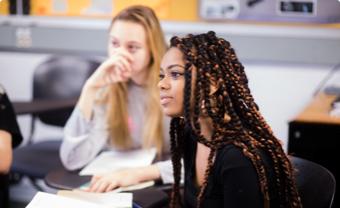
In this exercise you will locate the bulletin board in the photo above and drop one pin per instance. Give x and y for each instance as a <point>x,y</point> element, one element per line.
<point>4,7</point>
<point>165,9</point>
<point>65,8</point>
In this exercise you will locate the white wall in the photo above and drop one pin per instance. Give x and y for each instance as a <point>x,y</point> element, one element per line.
<point>281,90</point>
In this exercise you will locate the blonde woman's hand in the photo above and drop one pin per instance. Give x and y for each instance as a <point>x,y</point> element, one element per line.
<point>122,178</point>
<point>110,181</point>
<point>116,68</point>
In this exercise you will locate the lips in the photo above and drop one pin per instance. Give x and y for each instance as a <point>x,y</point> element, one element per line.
<point>165,100</point>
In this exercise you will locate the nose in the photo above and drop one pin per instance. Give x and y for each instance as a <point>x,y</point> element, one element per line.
<point>118,50</point>
<point>164,84</point>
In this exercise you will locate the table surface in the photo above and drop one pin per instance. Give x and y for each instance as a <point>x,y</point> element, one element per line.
<point>318,110</point>
<point>66,180</point>
<point>41,106</point>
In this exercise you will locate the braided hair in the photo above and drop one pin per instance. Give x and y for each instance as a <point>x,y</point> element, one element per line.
<point>221,92</point>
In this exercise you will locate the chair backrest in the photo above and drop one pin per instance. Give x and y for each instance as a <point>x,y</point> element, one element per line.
<point>316,184</point>
<point>58,78</point>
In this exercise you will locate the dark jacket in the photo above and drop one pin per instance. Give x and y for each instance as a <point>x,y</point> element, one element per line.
<point>8,123</point>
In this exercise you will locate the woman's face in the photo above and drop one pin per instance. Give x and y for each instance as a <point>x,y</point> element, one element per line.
<point>171,83</point>
<point>130,37</point>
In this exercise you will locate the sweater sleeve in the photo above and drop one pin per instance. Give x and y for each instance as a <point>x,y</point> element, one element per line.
<point>83,139</point>
<point>166,171</point>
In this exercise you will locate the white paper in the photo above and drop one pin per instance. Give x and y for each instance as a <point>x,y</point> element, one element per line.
<point>138,186</point>
<point>110,161</point>
<point>43,200</point>
<point>109,199</point>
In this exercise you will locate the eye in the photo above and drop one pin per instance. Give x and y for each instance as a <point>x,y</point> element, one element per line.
<point>161,76</point>
<point>115,43</point>
<point>133,48</point>
<point>176,75</point>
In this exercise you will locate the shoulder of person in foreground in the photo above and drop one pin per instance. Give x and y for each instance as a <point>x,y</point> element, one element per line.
<point>8,120</point>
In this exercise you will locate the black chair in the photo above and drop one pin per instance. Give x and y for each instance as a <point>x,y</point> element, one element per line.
<point>316,184</point>
<point>57,84</point>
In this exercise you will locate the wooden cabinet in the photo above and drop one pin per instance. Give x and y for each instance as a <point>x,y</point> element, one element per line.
<point>314,135</point>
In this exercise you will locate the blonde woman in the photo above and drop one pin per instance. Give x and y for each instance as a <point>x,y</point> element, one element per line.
<point>119,105</point>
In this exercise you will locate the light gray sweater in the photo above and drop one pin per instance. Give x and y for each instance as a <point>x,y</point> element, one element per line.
<point>84,140</point>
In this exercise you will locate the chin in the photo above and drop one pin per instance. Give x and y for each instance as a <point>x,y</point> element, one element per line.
<point>171,113</point>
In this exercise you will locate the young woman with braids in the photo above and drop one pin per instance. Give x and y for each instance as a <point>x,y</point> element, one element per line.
<point>231,157</point>
<point>119,107</point>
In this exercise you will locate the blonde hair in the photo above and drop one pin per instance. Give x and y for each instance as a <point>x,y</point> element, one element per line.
<point>116,94</point>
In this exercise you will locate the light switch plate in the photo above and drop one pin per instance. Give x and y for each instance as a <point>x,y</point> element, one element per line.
<point>219,9</point>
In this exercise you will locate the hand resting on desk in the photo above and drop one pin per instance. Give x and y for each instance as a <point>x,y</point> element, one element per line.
<point>121,178</point>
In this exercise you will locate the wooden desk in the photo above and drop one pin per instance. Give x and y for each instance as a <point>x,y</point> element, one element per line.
<point>318,111</point>
<point>152,197</point>
<point>42,106</point>
<point>314,135</point>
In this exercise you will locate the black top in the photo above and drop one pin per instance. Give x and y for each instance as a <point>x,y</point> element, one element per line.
<point>233,180</point>
<point>8,120</point>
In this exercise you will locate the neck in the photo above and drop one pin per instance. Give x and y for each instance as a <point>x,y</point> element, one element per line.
<point>140,78</point>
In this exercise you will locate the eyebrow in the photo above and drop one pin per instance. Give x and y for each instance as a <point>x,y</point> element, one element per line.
<point>172,66</point>
<point>129,41</point>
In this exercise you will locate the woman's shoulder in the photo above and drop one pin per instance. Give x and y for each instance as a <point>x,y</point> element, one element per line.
<point>231,156</point>
<point>3,97</point>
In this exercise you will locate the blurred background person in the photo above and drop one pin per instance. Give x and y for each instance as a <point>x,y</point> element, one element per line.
<point>119,105</point>
<point>10,137</point>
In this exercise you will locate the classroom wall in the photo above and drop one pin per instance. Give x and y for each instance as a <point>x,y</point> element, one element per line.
<point>165,9</point>
<point>284,62</point>
<point>280,89</point>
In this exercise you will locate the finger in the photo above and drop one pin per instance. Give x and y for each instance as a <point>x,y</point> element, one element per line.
<point>86,189</point>
<point>120,68</point>
<point>111,186</point>
<point>94,179</point>
<point>96,187</point>
<point>126,55</point>
<point>125,68</point>
<point>112,63</point>
<point>126,64</point>
<point>93,187</point>
<point>115,77</point>
<point>110,79</point>
<point>102,186</point>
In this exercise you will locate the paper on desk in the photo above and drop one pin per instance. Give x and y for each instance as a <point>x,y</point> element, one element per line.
<point>112,160</point>
<point>43,200</point>
<point>138,186</point>
<point>108,199</point>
